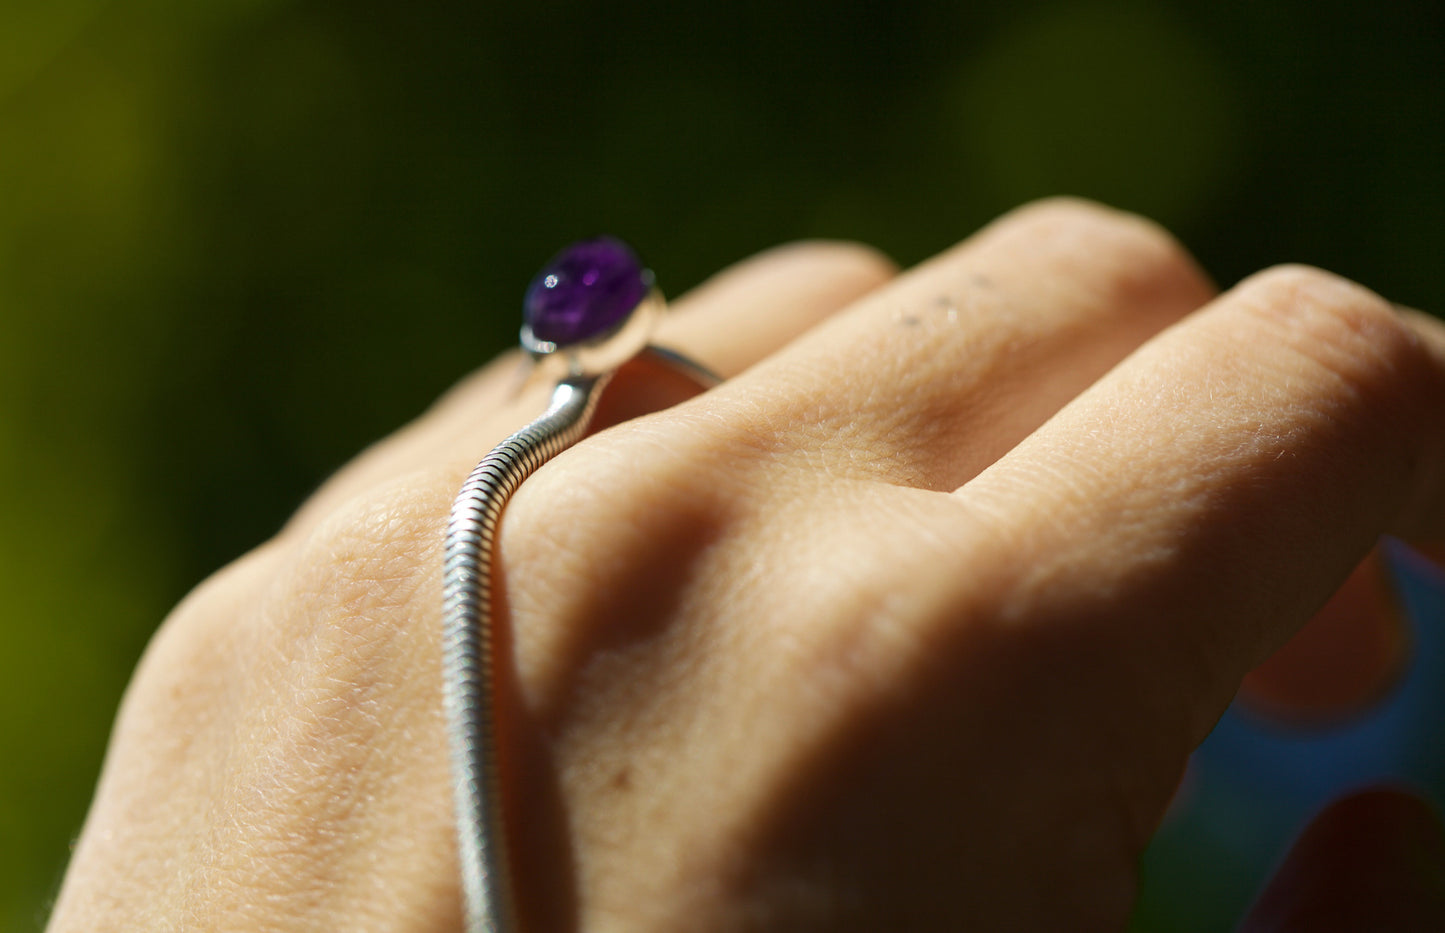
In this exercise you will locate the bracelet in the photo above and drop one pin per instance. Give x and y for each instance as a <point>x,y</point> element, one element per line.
<point>590,309</point>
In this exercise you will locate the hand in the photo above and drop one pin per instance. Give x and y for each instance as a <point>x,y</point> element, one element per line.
<point>909,625</point>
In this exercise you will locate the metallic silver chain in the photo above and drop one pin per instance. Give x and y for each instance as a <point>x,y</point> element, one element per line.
<point>467,661</point>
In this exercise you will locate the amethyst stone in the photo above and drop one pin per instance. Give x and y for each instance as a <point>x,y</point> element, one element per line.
<point>586,291</point>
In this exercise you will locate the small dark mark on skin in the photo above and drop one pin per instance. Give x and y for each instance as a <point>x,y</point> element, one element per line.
<point>622,780</point>
<point>908,320</point>
<point>982,281</point>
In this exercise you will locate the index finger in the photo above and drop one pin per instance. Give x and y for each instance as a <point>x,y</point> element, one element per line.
<point>1181,519</point>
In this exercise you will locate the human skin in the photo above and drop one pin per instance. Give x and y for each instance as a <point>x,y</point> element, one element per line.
<point>908,625</point>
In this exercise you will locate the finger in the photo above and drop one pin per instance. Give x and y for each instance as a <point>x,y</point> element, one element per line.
<point>1180,520</point>
<point>1373,861</point>
<point>1346,657</point>
<point>932,377</point>
<point>727,324</point>
<point>1353,650</point>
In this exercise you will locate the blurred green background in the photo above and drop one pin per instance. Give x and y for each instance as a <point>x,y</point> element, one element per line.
<point>239,239</point>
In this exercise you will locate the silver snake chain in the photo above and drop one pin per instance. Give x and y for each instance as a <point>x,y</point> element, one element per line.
<point>468,641</point>
<point>589,311</point>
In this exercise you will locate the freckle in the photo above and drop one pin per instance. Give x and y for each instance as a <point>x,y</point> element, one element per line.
<point>982,281</point>
<point>622,780</point>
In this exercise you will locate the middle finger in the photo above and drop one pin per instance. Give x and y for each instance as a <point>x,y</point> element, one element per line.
<point>930,378</point>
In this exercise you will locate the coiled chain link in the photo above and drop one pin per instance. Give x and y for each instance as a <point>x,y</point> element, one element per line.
<point>467,655</point>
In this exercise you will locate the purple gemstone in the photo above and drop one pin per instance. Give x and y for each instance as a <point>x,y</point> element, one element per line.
<point>585,291</point>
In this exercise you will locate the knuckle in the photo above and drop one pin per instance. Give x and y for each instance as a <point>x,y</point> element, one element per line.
<point>1307,296</point>
<point>372,553</point>
<point>294,645</point>
<point>1349,350</point>
<point>1146,263</point>
<point>1344,328</point>
<point>351,606</point>
<point>1064,206</point>
<point>191,662</point>
<point>1083,218</point>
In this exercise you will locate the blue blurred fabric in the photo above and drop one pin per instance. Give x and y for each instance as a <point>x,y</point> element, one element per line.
<point>1254,784</point>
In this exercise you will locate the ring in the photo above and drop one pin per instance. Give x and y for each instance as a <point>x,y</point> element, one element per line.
<point>591,309</point>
